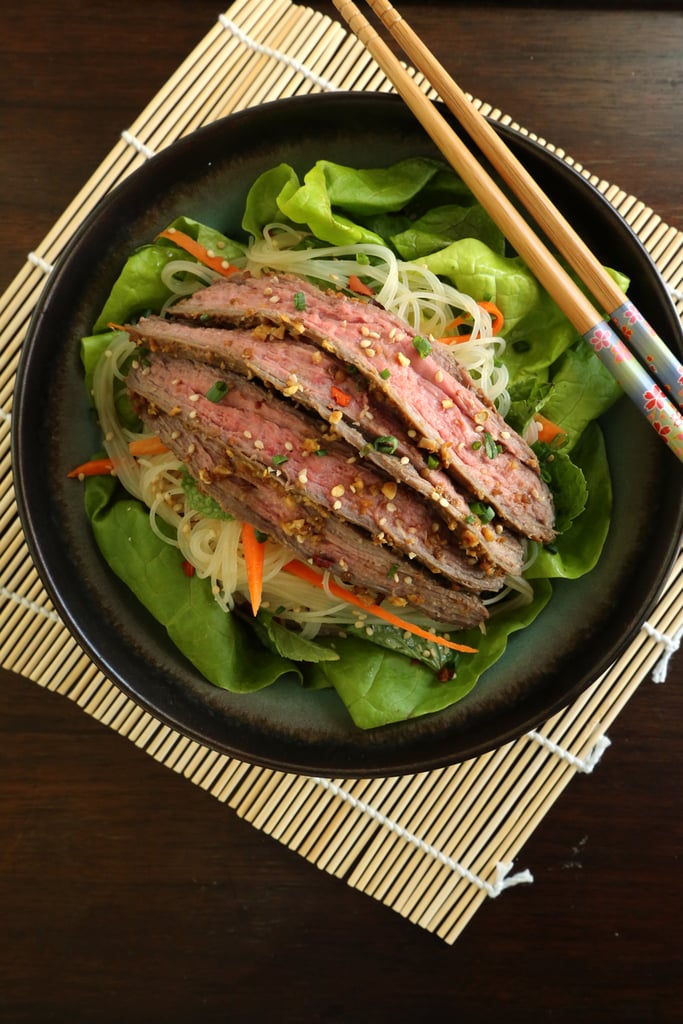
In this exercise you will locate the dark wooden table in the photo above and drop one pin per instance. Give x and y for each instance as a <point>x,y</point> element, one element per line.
<point>128,894</point>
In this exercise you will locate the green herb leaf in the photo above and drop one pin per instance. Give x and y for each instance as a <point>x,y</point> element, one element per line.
<point>492,448</point>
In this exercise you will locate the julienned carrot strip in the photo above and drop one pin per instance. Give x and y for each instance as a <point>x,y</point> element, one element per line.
<point>206,256</point>
<point>497,322</point>
<point>356,285</point>
<point>95,467</point>
<point>105,466</point>
<point>254,554</point>
<point>147,446</point>
<point>305,572</point>
<point>547,430</point>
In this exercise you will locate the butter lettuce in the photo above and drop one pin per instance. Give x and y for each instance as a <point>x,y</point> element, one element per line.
<point>422,210</point>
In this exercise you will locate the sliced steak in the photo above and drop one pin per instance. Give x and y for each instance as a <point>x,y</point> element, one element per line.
<point>311,534</point>
<point>435,399</point>
<point>320,382</point>
<point>276,438</point>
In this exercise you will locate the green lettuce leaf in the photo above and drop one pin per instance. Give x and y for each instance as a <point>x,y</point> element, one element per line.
<point>577,551</point>
<point>219,645</point>
<point>380,686</point>
<point>437,228</point>
<point>139,288</point>
<point>583,389</point>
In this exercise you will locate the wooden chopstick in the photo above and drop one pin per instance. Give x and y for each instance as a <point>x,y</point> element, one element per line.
<point>650,399</point>
<point>605,290</point>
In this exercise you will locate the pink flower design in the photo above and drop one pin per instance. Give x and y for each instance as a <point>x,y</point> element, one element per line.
<point>631,315</point>
<point>600,338</point>
<point>654,399</point>
<point>662,429</point>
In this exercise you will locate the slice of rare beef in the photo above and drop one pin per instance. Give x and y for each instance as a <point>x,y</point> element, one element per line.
<point>320,382</point>
<point>274,437</point>
<point>373,571</point>
<point>452,418</point>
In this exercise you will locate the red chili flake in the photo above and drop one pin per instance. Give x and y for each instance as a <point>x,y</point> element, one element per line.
<point>188,568</point>
<point>340,397</point>
<point>445,673</point>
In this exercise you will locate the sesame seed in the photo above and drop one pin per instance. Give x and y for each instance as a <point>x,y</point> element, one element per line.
<point>337,505</point>
<point>403,359</point>
<point>248,434</point>
<point>438,376</point>
<point>259,444</point>
<point>194,398</point>
<point>337,491</point>
<point>303,477</point>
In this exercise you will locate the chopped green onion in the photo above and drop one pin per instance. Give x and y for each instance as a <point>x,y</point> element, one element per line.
<point>387,444</point>
<point>299,300</point>
<point>385,373</point>
<point>217,391</point>
<point>279,459</point>
<point>421,345</point>
<point>484,512</point>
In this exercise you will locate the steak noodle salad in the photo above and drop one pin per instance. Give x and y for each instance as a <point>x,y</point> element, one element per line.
<point>356,441</point>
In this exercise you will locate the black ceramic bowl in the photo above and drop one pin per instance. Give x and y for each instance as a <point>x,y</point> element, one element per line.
<point>587,624</point>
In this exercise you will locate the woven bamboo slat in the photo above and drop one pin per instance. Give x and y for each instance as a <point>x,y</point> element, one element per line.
<point>432,846</point>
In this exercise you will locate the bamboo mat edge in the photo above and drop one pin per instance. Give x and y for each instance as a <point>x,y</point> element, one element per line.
<point>433,847</point>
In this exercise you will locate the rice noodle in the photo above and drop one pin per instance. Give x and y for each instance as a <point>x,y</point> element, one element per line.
<point>213,545</point>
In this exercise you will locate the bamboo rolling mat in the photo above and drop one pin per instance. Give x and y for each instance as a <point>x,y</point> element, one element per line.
<point>434,846</point>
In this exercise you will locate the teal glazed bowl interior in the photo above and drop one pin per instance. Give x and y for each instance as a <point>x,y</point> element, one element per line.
<point>588,622</point>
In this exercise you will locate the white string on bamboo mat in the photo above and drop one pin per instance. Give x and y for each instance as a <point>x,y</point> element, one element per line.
<point>39,262</point>
<point>138,145</point>
<point>267,51</point>
<point>671,645</point>
<point>32,606</point>
<point>585,764</point>
<point>492,889</point>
